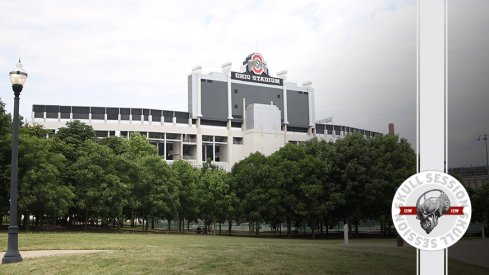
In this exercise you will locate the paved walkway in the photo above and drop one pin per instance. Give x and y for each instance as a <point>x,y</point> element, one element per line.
<point>474,252</point>
<point>41,253</point>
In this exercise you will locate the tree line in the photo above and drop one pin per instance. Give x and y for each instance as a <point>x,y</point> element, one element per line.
<point>75,180</point>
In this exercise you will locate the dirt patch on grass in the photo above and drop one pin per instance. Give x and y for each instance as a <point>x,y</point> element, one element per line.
<point>43,253</point>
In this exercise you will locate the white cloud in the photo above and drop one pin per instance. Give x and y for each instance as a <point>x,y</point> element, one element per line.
<point>359,54</point>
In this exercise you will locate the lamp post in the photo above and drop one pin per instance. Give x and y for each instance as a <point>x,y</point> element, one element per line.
<point>484,137</point>
<point>17,77</point>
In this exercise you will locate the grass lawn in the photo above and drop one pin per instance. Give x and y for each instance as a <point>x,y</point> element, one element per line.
<point>137,253</point>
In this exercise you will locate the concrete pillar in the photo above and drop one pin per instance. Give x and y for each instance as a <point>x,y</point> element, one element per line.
<point>199,141</point>
<point>283,75</point>
<point>310,96</point>
<point>243,125</point>
<point>226,68</point>
<point>198,74</point>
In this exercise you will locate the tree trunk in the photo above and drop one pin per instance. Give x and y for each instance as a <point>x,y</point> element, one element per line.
<point>153,223</point>
<point>219,228</point>
<point>70,222</point>
<point>257,229</point>
<point>313,232</point>
<point>349,229</point>
<point>205,225</point>
<point>169,225</point>
<point>143,218</point>
<point>85,223</point>
<point>356,228</point>
<point>289,229</point>
<point>27,220</point>
<point>230,226</point>
<point>188,225</point>
<point>132,218</point>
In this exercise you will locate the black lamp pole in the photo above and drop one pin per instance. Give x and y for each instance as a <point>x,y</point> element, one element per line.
<point>12,255</point>
<point>484,137</point>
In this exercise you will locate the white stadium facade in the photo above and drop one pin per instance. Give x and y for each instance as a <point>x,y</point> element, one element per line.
<point>230,115</point>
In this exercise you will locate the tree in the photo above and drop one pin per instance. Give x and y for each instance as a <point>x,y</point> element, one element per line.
<point>118,145</point>
<point>352,164</point>
<point>248,179</point>
<point>213,190</point>
<point>5,158</point>
<point>76,133</point>
<point>480,204</point>
<point>156,193</point>
<point>299,177</point>
<point>393,161</point>
<point>188,179</point>
<point>99,191</point>
<point>329,199</point>
<point>41,190</point>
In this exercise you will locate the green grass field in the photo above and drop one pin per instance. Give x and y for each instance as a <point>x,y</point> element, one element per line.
<point>136,253</point>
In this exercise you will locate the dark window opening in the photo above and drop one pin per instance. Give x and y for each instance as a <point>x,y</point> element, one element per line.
<point>237,140</point>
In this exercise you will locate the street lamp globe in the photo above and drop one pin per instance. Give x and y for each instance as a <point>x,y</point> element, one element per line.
<point>18,76</point>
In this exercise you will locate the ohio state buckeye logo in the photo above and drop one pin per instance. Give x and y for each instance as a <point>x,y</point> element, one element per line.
<point>256,64</point>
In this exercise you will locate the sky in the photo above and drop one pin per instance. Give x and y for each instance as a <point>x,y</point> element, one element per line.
<point>359,55</point>
<point>468,81</point>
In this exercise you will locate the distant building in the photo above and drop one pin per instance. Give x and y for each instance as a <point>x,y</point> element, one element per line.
<point>474,177</point>
<point>230,115</point>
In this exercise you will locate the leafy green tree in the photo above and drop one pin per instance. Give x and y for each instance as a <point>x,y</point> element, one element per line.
<point>99,191</point>
<point>41,190</point>
<point>248,179</point>
<point>5,159</point>
<point>118,145</point>
<point>213,190</point>
<point>480,204</point>
<point>156,192</point>
<point>300,180</point>
<point>393,161</point>
<point>73,137</point>
<point>328,201</point>
<point>76,132</point>
<point>188,179</point>
<point>140,147</point>
<point>351,171</point>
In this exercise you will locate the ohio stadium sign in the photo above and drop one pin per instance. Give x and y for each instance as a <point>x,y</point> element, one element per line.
<point>256,71</point>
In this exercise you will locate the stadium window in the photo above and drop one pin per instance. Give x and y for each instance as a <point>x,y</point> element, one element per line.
<point>237,140</point>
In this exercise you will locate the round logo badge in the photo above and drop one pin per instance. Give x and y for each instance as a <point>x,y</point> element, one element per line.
<point>431,210</point>
<point>257,64</point>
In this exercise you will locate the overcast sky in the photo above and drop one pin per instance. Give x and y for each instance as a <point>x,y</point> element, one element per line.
<point>360,55</point>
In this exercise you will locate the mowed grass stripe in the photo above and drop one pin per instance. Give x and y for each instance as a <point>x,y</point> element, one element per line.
<point>134,253</point>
